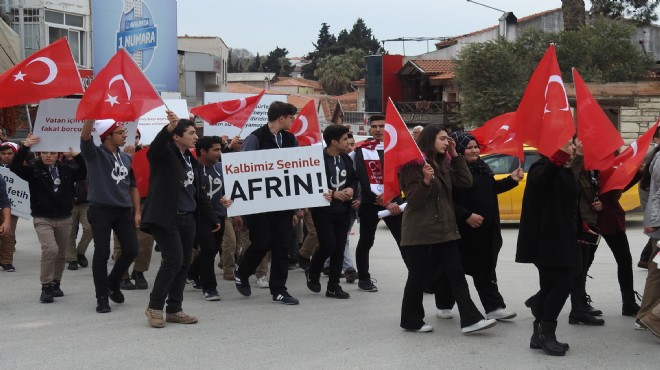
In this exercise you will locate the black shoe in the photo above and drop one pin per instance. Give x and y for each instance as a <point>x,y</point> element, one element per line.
<point>548,339</point>
<point>337,292</point>
<point>313,282</point>
<point>325,271</point>
<point>367,285</point>
<point>535,342</point>
<point>46,294</point>
<point>102,305</point>
<point>82,260</point>
<point>590,310</point>
<point>116,295</point>
<point>73,265</point>
<point>304,262</point>
<point>293,264</point>
<point>57,291</point>
<point>351,275</point>
<point>531,304</point>
<point>285,298</point>
<point>126,284</point>
<point>242,285</point>
<point>140,281</point>
<point>630,309</point>
<point>583,317</point>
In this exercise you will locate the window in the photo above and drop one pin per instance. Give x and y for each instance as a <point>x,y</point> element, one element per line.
<point>31,28</point>
<point>60,25</point>
<point>501,164</point>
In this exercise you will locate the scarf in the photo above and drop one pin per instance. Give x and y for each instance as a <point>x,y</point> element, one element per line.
<point>462,140</point>
<point>373,165</point>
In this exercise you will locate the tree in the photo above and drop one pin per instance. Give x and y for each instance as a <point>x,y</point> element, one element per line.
<point>256,64</point>
<point>277,62</point>
<point>574,14</point>
<point>492,76</point>
<point>641,11</point>
<point>335,72</point>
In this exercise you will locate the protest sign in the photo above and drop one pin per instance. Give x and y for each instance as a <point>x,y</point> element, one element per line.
<point>153,121</point>
<point>274,180</point>
<point>18,191</point>
<point>59,130</point>
<point>258,118</point>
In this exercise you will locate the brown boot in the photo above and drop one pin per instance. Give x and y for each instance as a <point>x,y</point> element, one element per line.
<point>180,318</point>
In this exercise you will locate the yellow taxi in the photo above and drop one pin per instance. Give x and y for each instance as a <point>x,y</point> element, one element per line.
<point>511,201</point>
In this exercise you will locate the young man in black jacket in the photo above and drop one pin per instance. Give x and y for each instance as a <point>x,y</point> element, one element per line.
<point>52,191</point>
<point>175,204</point>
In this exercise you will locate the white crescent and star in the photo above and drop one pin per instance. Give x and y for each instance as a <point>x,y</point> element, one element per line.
<point>52,71</point>
<point>555,79</point>
<point>393,136</point>
<point>305,125</point>
<point>113,99</point>
<point>243,104</point>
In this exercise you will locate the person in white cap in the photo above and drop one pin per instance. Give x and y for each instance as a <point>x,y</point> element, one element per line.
<point>114,206</point>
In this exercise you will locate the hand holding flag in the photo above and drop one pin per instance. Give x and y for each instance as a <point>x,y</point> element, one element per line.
<point>235,112</point>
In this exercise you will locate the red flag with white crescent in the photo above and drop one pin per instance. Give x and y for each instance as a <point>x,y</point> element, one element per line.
<point>598,135</point>
<point>306,126</point>
<point>500,135</point>
<point>235,112</point>
<point>400,148</point>
<point>48,73</point>
<point>119,91</point>
<point>544,114</point>
<point>627,163</point>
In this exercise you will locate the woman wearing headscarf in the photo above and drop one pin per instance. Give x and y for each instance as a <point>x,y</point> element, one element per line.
<point>478,218</point>
<point>429,234</point>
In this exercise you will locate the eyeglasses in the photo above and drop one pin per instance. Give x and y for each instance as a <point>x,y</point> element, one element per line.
<point>120,132</point>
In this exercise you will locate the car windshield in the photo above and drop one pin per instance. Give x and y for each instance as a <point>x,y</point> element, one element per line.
<point>504,164</point>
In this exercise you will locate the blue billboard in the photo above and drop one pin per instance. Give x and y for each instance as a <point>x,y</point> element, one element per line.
<point>146,29</point>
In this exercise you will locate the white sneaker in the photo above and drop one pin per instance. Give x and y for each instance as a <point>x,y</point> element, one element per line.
<point>262,282</point>
<point>424,329</point>
<point>444,314</point>
<point>501,314</point>
<point>479,325</point>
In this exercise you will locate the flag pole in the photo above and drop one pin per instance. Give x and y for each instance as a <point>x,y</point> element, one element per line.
<point>29,119</point>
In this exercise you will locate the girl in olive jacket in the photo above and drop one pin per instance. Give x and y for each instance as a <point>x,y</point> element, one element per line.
<point>429,232</point>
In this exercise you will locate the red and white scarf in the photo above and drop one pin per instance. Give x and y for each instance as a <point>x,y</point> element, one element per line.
<point>373,165</point>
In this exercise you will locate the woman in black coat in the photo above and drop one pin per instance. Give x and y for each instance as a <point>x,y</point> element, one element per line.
<point>478,218</point>
<point>548,238</point>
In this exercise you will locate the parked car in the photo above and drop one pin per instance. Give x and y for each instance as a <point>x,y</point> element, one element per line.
<point>511,201</point>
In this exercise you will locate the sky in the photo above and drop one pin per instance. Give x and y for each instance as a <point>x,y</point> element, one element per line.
<point>262,25</point>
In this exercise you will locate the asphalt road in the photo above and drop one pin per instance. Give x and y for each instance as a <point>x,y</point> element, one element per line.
<point>253,333</point>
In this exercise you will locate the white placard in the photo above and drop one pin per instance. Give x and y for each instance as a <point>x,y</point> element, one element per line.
<point>59,130</point>
<point>274,180</point>
<point>153,121</point>
<point>18,191</point>
<point>258,118</point>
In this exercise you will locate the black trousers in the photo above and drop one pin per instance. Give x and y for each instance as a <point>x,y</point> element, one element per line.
<point>203,266</point>
<point>270,231</point>
<point>555,286</point>
<point>579,290</point>
<point>176,244</point>
<point>103,220</point>
<point>620,248</point>
<point>445,257</point>
<point>332,231</point>
<point>485,282</point>
<point>368,214</point>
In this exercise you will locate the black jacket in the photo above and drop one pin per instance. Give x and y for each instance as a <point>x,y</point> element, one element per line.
<point>167,175</point>
<point>44,201</point>
<point>549,219</point>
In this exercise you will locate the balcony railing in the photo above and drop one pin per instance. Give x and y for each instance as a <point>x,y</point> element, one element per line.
<point>425,106</point>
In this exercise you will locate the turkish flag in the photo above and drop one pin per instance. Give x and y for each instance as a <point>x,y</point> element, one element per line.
<point>627,163</point>
<point>598,135</point>
<point>234,112</point>
<point>48,73</point>
<point>306,127</point>
<point>400,148</point>
<point>120,91</point>
<point>500,135</point>
<point>544,115</point>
